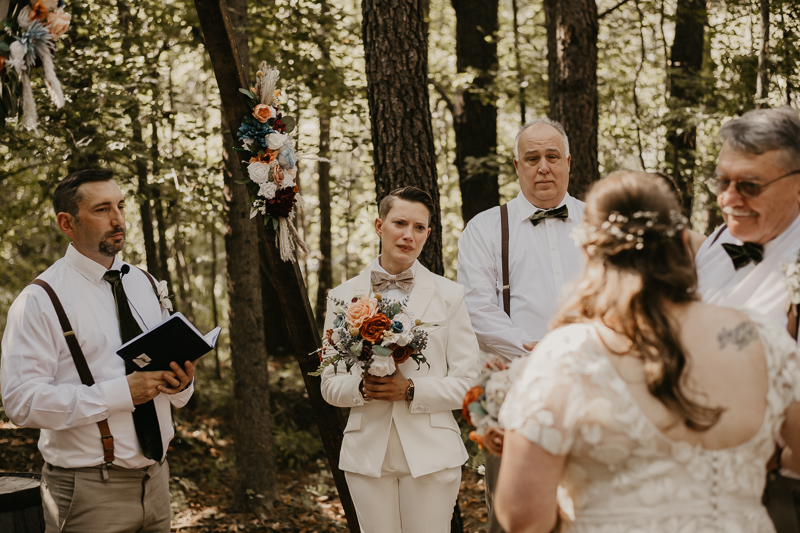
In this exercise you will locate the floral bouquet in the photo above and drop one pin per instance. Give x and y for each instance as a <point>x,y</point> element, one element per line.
<point>31,30</point>
<point>376,334</point>
<point>791,273</point>
<point>482,402</point>
<point>266,134</point>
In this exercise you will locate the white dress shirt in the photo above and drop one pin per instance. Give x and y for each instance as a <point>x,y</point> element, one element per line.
<point>760,287</point>
<point>393,292</point>
<point>40,384</point>
<point>542,259</point>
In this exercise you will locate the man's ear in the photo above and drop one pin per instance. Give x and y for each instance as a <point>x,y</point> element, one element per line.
<point>378,226</point>
<point>67,224</point>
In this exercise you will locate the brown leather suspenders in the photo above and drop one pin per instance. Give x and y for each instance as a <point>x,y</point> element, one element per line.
<point>504,252</point>
<point>80,363</point>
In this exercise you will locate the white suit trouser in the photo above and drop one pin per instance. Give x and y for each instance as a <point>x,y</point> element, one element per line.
<point>398,503</point>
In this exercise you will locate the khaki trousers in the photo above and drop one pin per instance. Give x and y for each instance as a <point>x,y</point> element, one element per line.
<point>492,468</point>
<point>399,503</point>
<point>78,500</point>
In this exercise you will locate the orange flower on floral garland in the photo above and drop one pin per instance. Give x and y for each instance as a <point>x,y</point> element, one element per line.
<point>373,327</point>
<point>267,158</point>
<point>472,395</point>
<point>38,12</point>
<point>262,113</point>
<point>477,438</point>
<point>329,336</point>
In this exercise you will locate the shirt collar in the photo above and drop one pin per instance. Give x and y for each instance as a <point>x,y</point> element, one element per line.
<point>527,209</point>
<point>376,266</point>
<point>89,268</point>
<point>779,242</point>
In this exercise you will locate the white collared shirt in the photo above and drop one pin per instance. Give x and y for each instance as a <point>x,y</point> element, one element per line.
<point>760,287</point>
<point>40,384</point>
<point>393,292</point>
<point>543,259</point>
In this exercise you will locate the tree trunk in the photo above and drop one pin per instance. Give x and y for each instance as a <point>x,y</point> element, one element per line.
<point>685,91</point>
<point>572,27</point>
<point>518,62</point>
<point>396,56</point>
<point>762,83</point>
<point>255,463</point>
<point>474,110</point>
<point>325,270</point>
<point>214,312</point>
<point>183,271</point>
<point>144,198</point>
<point>163,252</point>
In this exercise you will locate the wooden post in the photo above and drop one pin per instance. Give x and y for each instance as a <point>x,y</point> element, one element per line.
<point>220,42</point>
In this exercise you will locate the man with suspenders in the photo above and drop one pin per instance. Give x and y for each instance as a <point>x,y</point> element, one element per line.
<point>105,429</point>
<point>742,263</point>
<point>514,260</point>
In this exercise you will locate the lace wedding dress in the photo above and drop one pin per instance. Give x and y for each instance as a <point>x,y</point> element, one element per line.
<point>622,473</point>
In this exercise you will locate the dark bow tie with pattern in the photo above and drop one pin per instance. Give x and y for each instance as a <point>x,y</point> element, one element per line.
<point>559,212</point>
<point>381,281</point>
<point>742,255</point>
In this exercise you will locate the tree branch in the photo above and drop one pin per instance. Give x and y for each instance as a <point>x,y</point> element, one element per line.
<point>612,9</point>
<point>442,93</point>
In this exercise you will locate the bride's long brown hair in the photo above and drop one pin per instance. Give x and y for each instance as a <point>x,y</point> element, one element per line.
<point>637,262</point>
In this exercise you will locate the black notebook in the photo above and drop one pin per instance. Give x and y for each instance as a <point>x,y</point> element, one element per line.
<point>175,339</point>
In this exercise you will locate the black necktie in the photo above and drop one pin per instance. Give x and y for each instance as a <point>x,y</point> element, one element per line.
<point>742,255</point>
<point>559,212</point>
<point>145,419</point>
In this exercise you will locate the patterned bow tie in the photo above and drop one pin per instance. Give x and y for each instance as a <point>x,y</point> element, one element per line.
<point>541,214</point>
<point>742,255</point>
<point>381,280</point>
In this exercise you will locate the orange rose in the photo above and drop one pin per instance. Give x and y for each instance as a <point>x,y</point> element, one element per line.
<point>401,353</point>
<point>360,310</point>
<point>267,158</point>
<point>373,327</point>
<point>329,336</point>
<point>2,63</point>
<point>476,437</point>
<point>472,395</point>
<point>38,12</point>
<point>262,112</point>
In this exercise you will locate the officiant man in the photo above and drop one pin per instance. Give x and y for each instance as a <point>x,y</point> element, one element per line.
<point>510,312</point>
<point>741,264</point>
<point>103,444</point>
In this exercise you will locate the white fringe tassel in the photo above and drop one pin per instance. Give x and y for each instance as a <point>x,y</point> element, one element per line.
<point>297,238</point>
<point>284,240</point>
<point>266,87</point>
<point>53,85</point>
<point>30,119</point>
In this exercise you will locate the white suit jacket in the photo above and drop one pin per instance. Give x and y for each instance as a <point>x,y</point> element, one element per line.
<point>430,435</point>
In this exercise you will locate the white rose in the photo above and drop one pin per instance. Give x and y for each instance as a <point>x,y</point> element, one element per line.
<point>275,140</point>
<point>288,181</point>
<point>267,190</point>
<point>382,365</point>
<point>405,320</point>
<point>259,172</point>
<point>403,339</point>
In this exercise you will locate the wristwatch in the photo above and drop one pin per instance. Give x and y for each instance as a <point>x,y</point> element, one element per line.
<point>410,391</point>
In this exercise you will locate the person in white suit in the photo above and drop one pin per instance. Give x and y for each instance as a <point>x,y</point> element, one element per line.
<point>402,450</point>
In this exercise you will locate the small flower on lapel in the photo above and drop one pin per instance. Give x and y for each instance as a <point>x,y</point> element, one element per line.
<point>163,296</point>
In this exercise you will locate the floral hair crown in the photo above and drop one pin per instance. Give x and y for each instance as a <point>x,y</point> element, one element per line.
<point>624,233</point>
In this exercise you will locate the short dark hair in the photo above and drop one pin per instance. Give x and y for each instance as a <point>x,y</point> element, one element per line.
<point>67,197</point>
<point>409,194</point>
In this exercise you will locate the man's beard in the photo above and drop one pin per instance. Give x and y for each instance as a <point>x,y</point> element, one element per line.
<point>110,249</point>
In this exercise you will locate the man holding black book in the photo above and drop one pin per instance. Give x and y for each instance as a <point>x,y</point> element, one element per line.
<point>105,428</point>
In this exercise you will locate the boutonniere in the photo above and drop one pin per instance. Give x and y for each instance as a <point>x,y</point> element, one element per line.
<point>791,273</point>
<point>163,296</point>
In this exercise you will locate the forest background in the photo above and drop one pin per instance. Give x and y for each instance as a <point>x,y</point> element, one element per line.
<point>142,100</point>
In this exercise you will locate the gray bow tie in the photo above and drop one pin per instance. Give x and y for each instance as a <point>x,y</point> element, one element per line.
<point>381,280</point>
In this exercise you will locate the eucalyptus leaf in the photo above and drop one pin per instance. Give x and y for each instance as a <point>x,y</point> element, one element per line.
<point>290,122</point>
<point>381,350</point>
<point>355,349</point>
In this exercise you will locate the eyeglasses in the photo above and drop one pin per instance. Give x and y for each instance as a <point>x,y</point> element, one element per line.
<point>749,189</point>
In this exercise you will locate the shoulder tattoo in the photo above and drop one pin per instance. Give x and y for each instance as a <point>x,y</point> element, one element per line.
<point>740,336</point>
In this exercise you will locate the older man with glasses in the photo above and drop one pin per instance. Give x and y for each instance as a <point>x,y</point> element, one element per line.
<point>743,263</point>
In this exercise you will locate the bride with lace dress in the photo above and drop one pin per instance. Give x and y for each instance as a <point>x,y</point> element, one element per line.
<point>645,410</point>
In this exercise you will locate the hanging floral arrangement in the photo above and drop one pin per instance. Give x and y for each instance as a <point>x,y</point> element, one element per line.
<point>266,135</point>
<point>31,29</point>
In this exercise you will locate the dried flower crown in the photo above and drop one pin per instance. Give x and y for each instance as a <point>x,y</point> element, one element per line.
<point>623,233</point>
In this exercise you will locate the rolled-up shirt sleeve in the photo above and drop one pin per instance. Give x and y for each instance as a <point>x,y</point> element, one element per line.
<point>32,397</point>
<point>478,273</point>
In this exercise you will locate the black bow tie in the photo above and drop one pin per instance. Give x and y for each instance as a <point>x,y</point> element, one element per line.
<point>559,212</point>
<point>742,255</point>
